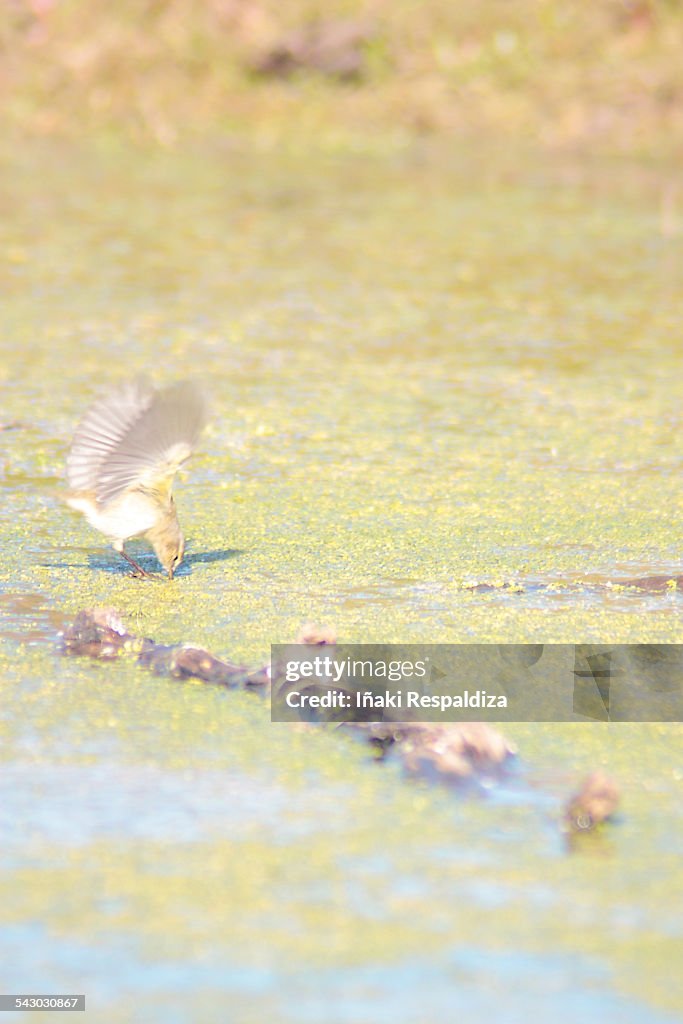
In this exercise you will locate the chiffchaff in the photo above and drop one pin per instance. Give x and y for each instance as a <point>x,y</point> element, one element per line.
<point>124,456</point>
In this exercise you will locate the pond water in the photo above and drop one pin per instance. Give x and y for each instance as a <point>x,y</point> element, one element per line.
<point>424,377</point>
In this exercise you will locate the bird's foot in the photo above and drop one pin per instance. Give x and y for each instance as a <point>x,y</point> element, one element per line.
<point>138,572</point>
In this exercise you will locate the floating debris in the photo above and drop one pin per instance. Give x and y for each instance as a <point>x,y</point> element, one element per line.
<point>100,633</point>
<point>451,752</point>
<point>488,588</point>
<point>454,752</point>
<point>652,584</point>
<point>595,801</point>
<point>670,584</point>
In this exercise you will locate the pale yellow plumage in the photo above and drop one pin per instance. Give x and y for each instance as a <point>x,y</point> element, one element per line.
<point>123,459</point>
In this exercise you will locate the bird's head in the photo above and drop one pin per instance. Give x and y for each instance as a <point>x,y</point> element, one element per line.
<point>168,543</point>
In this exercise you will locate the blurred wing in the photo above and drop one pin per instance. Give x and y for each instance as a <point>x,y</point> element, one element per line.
<point>137,439</point>
<point>103,427</point>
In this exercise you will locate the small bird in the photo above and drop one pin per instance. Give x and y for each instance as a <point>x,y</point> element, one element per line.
<point>124,456</point>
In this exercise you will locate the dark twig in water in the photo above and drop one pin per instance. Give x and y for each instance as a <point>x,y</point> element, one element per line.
<point>100,633</point>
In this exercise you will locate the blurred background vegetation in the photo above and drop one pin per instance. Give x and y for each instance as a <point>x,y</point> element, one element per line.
<point>604,75</point>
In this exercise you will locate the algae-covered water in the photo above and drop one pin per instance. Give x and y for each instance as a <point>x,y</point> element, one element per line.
<point>424,376</point>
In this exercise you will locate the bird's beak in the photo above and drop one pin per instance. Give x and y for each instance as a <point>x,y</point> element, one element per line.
<point>170,572</point>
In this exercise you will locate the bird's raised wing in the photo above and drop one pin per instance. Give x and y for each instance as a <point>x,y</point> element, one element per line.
<point>135,436</point>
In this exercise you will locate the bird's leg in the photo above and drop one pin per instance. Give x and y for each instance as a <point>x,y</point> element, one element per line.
<point>139,571</point>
